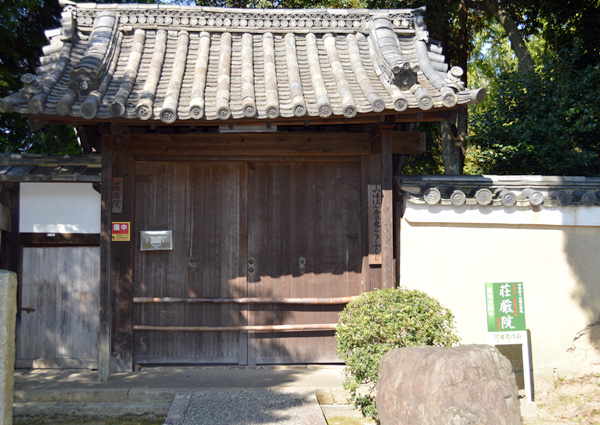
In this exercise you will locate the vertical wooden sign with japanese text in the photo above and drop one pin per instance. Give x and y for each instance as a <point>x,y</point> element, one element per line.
<point>374,212</point>
<point>117,195</point>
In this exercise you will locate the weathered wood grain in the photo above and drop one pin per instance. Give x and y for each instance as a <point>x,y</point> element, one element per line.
<point>205,261</point>
<point>312,250</point>
<point>61,285</point>
<point>246,300</point>
<point>250,329</point>
<point>104,295</point>
<point>387,213</point>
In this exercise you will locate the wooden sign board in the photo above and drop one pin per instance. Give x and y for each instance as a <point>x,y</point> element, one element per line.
<point>374,212</point>
<point>117,195</point>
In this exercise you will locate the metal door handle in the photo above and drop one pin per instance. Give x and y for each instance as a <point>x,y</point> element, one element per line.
<point>27,309</point>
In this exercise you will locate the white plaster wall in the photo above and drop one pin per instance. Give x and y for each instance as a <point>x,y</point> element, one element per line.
<point>59,208</point>
<point>451,253</point>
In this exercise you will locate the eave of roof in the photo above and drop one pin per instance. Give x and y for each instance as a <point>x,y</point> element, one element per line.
<point>48,168</point>
<point>172,64</point>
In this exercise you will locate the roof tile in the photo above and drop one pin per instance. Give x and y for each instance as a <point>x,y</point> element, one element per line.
<point>167,63</point>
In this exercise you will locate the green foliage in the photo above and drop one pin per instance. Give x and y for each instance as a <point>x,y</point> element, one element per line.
<point>22,25</point>
<point>380,321</point>
<point>546,124</point>
<point>16,136</point>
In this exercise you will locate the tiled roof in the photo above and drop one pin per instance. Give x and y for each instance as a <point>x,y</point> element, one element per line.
<point>42,168</point>
<point>501,191</point>
<point>175,63</point>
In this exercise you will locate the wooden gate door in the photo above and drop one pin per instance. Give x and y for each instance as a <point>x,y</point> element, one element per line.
<point>59,308</point>
<point>204,206</point>
<point>259,231</point>
<point>304,242</point>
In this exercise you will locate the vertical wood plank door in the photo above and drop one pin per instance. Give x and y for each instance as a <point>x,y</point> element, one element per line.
<point>60,285</point>
<point>204,206</point>
<point>269,230</point>
<point>305,242</point>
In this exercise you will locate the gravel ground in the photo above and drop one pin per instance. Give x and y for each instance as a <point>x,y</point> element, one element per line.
<point>245,407</point>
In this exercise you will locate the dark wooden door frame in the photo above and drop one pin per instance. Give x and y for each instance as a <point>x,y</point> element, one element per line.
<point>116,283</point>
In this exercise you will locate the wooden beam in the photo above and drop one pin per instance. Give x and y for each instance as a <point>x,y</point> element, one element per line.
<point>255,144</point>
<point>60,239</point>
<point>252,329</point>
<point>408,142</point>
<point>387,216</point>
<point>301,301</point>
<point>104,337</point>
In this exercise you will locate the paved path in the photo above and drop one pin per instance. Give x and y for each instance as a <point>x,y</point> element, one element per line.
<point>248,407</point>
<point>204,395</point>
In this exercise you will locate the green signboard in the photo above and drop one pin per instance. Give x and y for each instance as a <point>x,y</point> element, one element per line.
<point>505,307</point>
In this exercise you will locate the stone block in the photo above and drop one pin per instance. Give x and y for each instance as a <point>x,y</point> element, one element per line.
<point>8,316</point>
<point>471,384</point>
<point>148,395</point>
<point>324,396</point>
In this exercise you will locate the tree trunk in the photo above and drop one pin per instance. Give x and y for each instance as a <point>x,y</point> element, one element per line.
<point>517,44</point>
<point>454,132</point>
<point>452,151</point>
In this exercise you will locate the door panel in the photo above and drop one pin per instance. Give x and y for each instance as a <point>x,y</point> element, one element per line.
<point>61,286</point>
<point>306,242</point>
<point>204,205</point>
<point>260,230</point>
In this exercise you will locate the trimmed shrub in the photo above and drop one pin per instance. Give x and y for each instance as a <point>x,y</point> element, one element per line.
<point>380,321</point>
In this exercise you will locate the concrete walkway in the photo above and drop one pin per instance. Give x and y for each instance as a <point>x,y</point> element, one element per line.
<point>191,395</point>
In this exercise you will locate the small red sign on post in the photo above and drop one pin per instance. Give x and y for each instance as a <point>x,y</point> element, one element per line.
<point>121,231</point>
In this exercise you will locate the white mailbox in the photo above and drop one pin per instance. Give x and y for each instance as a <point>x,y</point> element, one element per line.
<point>155,240</point>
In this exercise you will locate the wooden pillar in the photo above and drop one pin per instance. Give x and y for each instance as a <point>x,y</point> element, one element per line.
<point>387,213</point>
<point>121,262</point>
<point>104,337</point>
<point>397,229</point>
<point>371,175</point>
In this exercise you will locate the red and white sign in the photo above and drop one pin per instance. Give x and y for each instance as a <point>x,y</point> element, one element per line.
<point>121,231</point>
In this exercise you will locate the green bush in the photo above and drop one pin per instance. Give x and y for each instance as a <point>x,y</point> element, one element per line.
<point>380,321</point>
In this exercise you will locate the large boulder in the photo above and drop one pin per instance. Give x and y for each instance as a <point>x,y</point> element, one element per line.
<point>470,384</point>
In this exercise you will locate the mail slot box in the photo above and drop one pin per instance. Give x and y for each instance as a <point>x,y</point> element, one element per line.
<point>156,240</point>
